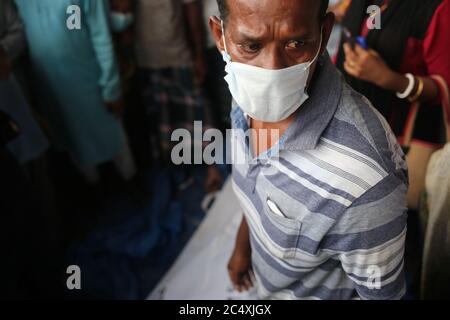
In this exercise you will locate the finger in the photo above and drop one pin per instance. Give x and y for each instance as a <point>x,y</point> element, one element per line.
<point>374,53</point>
<point>233,277</point>
<point>349,52</point>
<point>252,275</point>
<point>346,47</point>
<point>248,282</point>
<point>240,285</point>
<point>352,56</point>
<point>237,287</point>
<point>352,59</point>
<point>360,50</point>
<point>353,63</point>
<point>245,283</point>
<point>350,69</point>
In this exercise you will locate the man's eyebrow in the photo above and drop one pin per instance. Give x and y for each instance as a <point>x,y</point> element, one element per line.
<point>249,37</point>
<point>299,36</point>
<point>256,38</point>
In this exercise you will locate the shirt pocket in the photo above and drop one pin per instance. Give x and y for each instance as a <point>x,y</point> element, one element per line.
<point>281,234</point>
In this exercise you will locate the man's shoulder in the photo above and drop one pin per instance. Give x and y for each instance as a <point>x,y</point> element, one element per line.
<point>357,155</point>
<point>360,129</point>
<point>356,174</point>
<point>368,153</point>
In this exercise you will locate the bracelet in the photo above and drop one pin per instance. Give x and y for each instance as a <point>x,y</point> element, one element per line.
<point>409,88</point>
<point>419,91</point>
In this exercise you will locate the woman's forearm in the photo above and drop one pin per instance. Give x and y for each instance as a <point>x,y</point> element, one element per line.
<point>394,81</point>
<point>430,90</point>
<point>398,82</point>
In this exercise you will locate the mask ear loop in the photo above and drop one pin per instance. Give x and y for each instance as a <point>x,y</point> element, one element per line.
<point>223,36</point>
<point>320,47</point>
<point>317,54</point>
<point>226,54</point>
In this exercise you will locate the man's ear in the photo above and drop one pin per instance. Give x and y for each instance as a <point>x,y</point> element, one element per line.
<point>216,29</point>
<point>328,24</point>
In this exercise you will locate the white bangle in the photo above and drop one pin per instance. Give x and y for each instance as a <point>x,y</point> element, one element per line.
<point>409,88</point>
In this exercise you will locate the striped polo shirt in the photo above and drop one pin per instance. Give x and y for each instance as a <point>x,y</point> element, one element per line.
<point>327,210</point>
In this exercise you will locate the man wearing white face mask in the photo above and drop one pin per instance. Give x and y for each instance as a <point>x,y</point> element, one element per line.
<point>324,204</point>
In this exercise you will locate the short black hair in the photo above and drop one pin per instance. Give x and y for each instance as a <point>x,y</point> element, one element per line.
<point>223,8</point>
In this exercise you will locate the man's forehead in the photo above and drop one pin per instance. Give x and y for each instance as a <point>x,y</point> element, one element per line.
<point>259,18</point>
<point>288,9</point>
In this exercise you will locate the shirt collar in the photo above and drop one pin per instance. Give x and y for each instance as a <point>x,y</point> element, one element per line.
<point>314,115</point>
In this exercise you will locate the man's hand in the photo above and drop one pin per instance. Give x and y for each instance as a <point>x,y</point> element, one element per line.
<point>366,65</point>
<point>240,270</point>
<point>240,264</point>
<point>5,65</point>
<point>117,107</point>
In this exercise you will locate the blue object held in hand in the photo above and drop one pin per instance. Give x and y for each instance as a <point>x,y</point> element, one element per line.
<point>362,42</point>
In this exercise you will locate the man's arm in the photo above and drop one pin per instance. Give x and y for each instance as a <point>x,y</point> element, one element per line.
<point>97,15</point>
<point>240,265</point>
<point>369,240</point>
<point>193,13</point>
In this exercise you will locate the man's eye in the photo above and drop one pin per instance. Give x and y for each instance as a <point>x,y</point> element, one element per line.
<point>295,44</point>
<point>251,47</point>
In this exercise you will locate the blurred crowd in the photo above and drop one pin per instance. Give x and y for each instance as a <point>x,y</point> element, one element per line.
<point>88,110</point>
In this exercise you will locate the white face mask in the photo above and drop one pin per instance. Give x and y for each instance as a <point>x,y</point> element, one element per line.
<point>121,21</point>
<point>264,94</point>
